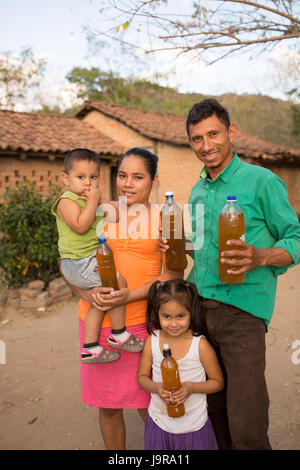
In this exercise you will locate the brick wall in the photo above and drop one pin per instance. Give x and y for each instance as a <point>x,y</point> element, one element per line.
<point>42,172</point>
<point>179,170</point>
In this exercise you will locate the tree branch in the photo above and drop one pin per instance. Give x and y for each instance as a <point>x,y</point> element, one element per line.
<point>265,7</point>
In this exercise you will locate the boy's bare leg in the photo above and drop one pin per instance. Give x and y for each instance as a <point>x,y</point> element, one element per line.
<point>117,317</point>
<point>92,324</point>
<point>94,320</point>
<point>119,333</point>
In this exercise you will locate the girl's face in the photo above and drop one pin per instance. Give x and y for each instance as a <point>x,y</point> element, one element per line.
<point>134,181</point>
<point>174,318</point>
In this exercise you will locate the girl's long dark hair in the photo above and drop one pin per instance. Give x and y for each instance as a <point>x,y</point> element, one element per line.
<point>181,291</point>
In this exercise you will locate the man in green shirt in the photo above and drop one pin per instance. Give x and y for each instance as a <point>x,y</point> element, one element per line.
<point>237,316</point>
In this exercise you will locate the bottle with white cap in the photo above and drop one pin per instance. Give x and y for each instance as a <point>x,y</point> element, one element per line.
<point>231,227</point>
<point>173,231</point>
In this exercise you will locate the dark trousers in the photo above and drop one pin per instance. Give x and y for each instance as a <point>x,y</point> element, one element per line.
<point>239,413</point>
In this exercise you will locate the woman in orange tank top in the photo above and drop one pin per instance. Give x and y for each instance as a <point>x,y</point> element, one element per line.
<point>113,387</point>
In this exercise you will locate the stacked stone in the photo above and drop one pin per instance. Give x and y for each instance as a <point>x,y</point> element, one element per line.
<point>59,291</point>
<point>35,296</point>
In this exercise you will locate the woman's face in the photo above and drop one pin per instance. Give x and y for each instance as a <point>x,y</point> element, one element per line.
<point>134,180</point>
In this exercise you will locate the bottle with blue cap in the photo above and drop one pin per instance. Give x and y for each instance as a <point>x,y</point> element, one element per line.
<point>231,227</point>
<point>106,264</point>
<point>173,231</point>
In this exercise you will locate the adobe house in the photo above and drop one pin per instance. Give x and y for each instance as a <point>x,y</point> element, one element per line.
<point>179,169</point>
<point>32,146</point>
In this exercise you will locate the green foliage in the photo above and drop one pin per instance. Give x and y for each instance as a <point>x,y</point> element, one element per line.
<point>19,75</point>
<point>106,86</point>
<point>296,119</point>
<point>270,119</point>
<point>28,248</point>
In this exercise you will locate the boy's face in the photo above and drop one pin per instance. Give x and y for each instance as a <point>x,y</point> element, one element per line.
<point>82,176</point>
<point>212,143</point>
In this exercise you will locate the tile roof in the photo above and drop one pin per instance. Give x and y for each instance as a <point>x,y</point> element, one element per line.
<point>48,133</point>
<point>171,128</point>
<point>160,126</point>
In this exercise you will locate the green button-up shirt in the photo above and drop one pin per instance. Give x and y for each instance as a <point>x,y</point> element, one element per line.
<point>270,222</point>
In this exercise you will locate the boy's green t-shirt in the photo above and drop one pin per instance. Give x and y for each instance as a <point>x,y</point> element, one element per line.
<point>72,244</point>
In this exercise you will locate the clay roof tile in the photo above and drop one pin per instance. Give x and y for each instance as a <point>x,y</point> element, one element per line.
<point>52,133</point>
<point>171,128</point>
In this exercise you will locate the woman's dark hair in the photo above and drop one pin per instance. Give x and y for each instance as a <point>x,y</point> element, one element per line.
<point>80,154</point>
<point>205,109</point>
<point>181,291</point>
<point>149,158</point>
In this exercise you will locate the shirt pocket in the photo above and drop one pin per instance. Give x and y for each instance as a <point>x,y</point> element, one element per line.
<point>91,268</point>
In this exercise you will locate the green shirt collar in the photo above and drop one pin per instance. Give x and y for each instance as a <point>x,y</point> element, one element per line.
<point>231,168</point>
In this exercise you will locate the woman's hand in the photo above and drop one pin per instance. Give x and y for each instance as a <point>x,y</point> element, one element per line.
<point>108,300</point>
<point>88,294</point>
<point>162,242</point>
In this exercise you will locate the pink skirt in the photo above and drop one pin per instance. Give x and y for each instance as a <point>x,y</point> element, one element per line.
<point>113,385</point>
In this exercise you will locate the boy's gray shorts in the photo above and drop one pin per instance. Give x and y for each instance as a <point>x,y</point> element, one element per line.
<point>82,272</point>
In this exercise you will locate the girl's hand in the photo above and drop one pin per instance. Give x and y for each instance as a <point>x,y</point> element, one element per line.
<point>164,394</point>
<point>107,301</point>
<point>182,394</point>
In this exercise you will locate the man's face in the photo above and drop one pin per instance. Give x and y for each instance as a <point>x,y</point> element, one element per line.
<point>212,143</point>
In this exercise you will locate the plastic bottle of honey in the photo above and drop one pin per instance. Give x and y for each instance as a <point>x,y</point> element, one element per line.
<point>173,231</point>
<point>171,381</point>
<point>231,227</point>
<point>106,264</point>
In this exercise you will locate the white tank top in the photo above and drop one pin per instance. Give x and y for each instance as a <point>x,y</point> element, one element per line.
<point>190,370</point>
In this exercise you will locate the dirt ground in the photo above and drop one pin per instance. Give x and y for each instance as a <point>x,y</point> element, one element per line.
<point>40,405</point>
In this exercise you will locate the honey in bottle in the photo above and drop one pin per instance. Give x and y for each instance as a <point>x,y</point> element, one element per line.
<point>106,265</point>
<point>171,381</point>
<point>173,231</point>
<point>231,227</point>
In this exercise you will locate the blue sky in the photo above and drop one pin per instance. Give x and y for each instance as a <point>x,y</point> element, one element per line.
<point>54,29</point>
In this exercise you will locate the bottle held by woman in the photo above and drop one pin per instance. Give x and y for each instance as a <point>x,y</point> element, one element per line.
<point>173,231</point>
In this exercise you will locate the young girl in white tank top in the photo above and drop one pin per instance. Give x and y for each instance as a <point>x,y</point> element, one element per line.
<point>174,317</point>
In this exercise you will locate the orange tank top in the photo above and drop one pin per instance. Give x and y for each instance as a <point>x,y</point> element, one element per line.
<point>138,260</point>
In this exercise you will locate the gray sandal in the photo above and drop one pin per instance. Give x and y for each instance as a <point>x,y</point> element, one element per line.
<point>132,344</point>
<point>102,358</point>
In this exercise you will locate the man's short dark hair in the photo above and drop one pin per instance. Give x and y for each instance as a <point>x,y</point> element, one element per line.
<point>80,154</point>
<point>205,109</point>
